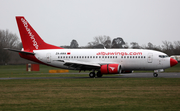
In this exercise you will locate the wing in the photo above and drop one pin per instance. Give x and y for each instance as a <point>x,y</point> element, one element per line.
<point>81,65</point>
<point>31,53</point>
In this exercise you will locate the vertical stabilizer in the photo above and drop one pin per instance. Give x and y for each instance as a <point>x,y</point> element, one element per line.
<point>30,39</point>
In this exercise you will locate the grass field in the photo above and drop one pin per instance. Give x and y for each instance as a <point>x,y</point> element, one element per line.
<point>91,94</point>
<point>137,94</point>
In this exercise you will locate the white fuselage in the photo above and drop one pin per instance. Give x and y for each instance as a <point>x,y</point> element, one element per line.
<point>129,59</point>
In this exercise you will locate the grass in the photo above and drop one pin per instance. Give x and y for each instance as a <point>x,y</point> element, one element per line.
<point>91,94</point>
<point>105,94</point>
<point>20,71</point>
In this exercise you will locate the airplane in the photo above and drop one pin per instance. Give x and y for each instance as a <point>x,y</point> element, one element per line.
<point>99,61</point>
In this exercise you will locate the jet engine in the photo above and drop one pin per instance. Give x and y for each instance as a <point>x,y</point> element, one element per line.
<point>111,69</point>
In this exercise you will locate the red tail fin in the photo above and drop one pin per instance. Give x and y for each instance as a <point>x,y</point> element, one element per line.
<point>30,39</point>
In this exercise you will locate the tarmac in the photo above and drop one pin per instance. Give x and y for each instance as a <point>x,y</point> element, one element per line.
<point>86,75</point>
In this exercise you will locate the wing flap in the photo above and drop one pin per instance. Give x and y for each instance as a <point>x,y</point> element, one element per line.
<point>81,65</point>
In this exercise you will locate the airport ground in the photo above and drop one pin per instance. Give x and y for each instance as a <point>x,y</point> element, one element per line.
<point>79,92</point>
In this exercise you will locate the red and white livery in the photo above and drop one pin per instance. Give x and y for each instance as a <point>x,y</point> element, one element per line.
<point>102,61</point>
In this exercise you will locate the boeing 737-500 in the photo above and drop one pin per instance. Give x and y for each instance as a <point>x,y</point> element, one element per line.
<point>98,61</point>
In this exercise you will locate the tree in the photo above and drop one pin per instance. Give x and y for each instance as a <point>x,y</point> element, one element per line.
<point>104,40</point>
<point>74,44</point>
<point>150,45</point>
<point>177,47</point>
<point>135,45</point>
<point>7,40</point>
<point>118,43</point>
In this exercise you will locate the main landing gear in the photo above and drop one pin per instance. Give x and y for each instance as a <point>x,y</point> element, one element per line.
<point>155,74</point>
<point>92,74</point>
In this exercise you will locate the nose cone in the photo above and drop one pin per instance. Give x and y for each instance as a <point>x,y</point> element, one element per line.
<point>173,62</point>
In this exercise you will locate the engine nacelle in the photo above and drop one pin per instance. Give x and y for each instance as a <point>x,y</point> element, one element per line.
<point>111,69</point>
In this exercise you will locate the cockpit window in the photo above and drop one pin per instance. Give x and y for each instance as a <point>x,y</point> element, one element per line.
<point>163,56</point>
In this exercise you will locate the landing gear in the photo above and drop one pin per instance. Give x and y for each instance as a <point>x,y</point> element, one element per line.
<point>99,74</point>
<point>92,74</point>
<point>155,74</point>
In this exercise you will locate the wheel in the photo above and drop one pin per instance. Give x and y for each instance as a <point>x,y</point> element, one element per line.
<point>99,74</point>
<point>91,74</point>
<point>155,74</point>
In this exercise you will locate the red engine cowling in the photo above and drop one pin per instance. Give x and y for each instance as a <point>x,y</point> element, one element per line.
<point>111,69</point>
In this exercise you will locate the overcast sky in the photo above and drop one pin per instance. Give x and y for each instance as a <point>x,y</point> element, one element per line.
<point>60,21</point>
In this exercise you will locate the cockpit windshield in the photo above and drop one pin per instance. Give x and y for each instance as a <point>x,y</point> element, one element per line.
<point>163,56</point>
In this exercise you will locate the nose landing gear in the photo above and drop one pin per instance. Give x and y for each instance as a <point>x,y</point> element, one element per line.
<point>155,74</point>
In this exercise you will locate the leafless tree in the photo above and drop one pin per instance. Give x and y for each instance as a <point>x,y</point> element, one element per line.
<point>135,45</point>
<point>104,40</point>
<point>118,43</point>
<point>7,40</point>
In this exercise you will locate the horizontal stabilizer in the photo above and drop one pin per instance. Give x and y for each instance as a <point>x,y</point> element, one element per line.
<point>20,51</point>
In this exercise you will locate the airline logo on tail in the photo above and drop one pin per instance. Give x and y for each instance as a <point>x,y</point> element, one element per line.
<point>35,44</point>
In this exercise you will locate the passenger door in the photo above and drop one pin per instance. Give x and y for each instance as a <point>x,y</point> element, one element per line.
<point>150,58</point>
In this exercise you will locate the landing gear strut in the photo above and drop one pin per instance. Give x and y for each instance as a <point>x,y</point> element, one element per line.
<point>155,74</point>
<point>92,74</point>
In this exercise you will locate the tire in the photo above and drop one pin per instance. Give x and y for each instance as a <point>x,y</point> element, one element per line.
<point>155,75</point>
<point>99,74</point>
<point>91,74</point>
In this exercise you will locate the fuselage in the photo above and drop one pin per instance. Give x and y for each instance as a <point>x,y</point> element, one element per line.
<point>129,59</point>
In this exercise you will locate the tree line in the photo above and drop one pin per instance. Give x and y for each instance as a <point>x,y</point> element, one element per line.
<point>10,40</point>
